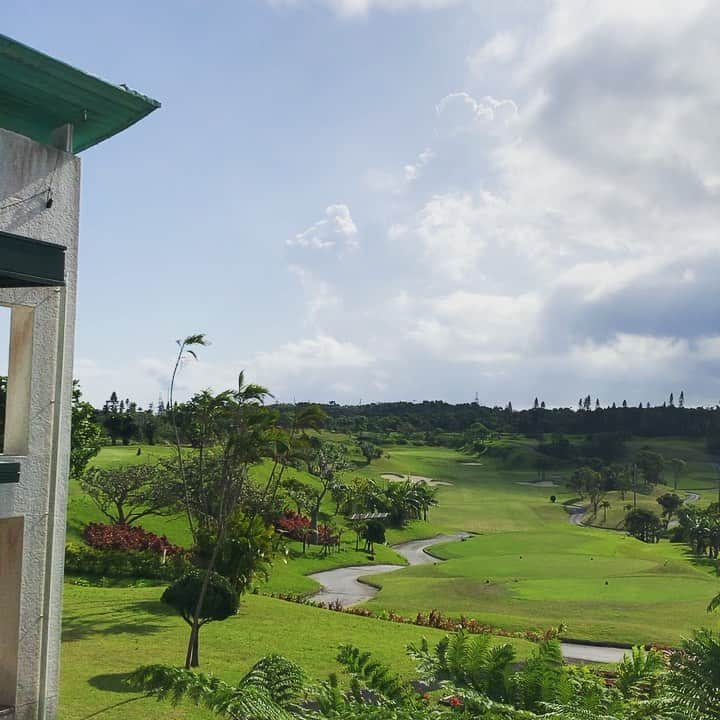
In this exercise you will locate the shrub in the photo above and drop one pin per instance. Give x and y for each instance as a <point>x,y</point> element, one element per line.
<point>125,537</point>
<point>293,524</point>
<point>112,563</point>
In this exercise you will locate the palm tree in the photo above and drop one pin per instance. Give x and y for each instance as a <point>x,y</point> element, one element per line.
<point>605,505</point>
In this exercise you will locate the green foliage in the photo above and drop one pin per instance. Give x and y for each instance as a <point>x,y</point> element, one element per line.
<point>643,524</point>
<point>639,673</point>
<point>694,680</point>
<point>86,433</point>
<point>543,679</point>
<point>221,601</point>
<point>126,494</point>
<point>87,561</point>
<point>372,675</point>
<point>252,699</point>
<point>467,661</point>
<point>651,465</point>
<point>245,554</point>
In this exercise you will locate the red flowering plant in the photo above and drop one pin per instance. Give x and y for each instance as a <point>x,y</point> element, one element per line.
<point>127,537</point>
<point>293,524</point>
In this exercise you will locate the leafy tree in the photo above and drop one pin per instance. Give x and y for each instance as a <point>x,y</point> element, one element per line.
<point>85,436</point>
<point>651,465</point>
<point>247,552</point>
<point>374,532</point>
<point>369,450</point>
<point>678,466</point>
<point>643,524</point>
<point>128,493</point>
<point>670,503</point>
<point>220,602</point>
<point>326,461</point>
<point>605,505</point>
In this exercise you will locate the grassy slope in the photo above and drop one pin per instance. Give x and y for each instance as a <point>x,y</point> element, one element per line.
<point>654,593</point>
<point>109,632</point>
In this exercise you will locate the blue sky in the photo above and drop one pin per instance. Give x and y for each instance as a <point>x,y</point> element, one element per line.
<point>401,199</point>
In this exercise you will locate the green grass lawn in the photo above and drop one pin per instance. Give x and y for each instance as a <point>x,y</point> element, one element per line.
<point>653,593</point>
<point>603,585</point>
<point>108,632</point>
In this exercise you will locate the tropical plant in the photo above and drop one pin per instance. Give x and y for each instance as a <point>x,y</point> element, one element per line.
<point>471,661</point>
<point>694,679</point>
<point>269,691</point>
<point>639,674</point>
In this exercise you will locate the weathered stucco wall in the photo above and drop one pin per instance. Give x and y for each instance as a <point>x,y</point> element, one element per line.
<point>27,169</point>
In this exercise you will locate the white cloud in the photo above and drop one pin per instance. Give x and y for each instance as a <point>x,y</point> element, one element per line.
<point>321,360</point>
<point>412,172</point>
<point>627,353</point>
<point>501,48</point>
<point>474,327</point>
<point>338,225</point>
<point>466,111</point>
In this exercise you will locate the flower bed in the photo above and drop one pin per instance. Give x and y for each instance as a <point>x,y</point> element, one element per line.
<point>433,619</point>
<point>126,537</point>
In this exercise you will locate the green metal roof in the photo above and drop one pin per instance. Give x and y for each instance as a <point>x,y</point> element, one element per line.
<point>39,94</point>
<point>25,262</point>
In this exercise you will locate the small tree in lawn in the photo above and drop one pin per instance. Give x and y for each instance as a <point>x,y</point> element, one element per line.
<point>326,461</point>
<point>670,504</point>
<point>678,466</point>
<point>643,524</point>
<point>131,492</point>
<point>374,533</point>
<point>220,602</point>
<point>605,505</point>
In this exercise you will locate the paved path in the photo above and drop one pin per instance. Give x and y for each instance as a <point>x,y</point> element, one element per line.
<point>342,585</point>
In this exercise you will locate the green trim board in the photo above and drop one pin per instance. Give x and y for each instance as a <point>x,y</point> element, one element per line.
<point>39,94</point>
<point>9,472</point>
<point>25,262</point>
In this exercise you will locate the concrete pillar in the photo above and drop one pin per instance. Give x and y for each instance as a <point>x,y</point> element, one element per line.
<point>39,402</point>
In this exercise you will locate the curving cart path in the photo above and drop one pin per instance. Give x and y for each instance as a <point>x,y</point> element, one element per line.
<point>342,585</point>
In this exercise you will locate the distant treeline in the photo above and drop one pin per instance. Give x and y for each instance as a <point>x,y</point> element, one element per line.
<point>434,421</point>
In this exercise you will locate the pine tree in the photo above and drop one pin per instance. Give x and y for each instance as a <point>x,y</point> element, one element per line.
<point>681,399</point>
<point>536,404</point>
<point>672,400</point>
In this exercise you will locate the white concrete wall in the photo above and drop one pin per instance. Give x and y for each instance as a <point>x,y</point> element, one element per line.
<point>40,497</point>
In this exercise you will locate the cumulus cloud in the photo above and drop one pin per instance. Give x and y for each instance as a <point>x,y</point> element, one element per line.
<point>337,226</point>
<point>474,327</point>
<point>465,112</point>
<point>412,172</point>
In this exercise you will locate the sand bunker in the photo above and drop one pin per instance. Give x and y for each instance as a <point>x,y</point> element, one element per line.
<point>395,477</point>
<point>474,464</point>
